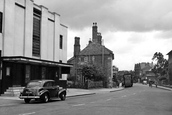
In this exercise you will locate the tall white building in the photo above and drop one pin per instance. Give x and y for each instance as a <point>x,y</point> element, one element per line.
<point>33,44</point>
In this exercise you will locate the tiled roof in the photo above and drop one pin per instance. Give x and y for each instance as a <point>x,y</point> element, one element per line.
<point>169,52</point>
<point>95,49</point>
<point>147,68</point>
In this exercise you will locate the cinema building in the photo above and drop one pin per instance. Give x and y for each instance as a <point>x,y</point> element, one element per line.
<point>33,44</point>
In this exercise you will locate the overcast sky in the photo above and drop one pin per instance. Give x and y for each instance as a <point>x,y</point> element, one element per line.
<point>133,29</point>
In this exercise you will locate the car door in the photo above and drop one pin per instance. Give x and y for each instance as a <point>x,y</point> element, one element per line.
<point>49,86</point>
<point>52,89</point>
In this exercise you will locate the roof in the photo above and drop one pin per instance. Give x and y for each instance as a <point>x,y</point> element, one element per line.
<point>42,80</point>
<point>147,68</point>
<point>72,58</point>
<point>95,49</point>
<point>169,52</point>
<point>21,59</point>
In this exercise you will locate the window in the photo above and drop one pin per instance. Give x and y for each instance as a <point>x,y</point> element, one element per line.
<point>36,32</point>
<point>86,59</point>
<point>82,59</point>
<point>93,58</point>
<point>8,71</point>
<point>61,42</point>
<point>1,22</point>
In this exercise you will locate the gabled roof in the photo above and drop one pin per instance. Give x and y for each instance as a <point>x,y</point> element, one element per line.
<point>169,52</point>
<point>147,68</point>
<point>72,58</point>
<point>95,49</point>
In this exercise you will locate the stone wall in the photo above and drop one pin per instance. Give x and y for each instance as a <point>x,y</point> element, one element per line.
<point>94,84</point>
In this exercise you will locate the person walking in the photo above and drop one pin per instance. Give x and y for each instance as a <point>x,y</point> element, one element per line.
<point>150,83</point>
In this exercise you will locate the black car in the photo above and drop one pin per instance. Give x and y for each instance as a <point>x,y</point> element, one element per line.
<point>42,90</point>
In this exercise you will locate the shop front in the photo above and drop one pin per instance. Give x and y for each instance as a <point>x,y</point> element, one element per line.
<point>18,71</point>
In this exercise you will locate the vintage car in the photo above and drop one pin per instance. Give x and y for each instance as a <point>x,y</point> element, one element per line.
<point>42,90</point>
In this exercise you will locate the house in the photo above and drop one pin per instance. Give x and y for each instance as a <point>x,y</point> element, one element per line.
<point>143,71</point>
<point>170,67</point>
<point>94,53</point>
<point>33,44</point>
<point>115,70</point>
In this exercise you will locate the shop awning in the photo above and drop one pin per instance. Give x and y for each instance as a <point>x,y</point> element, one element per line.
<point>21,59</point>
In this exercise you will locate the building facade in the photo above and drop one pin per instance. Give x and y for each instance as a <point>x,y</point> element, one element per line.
<point>94,53</point>
<point>143,71</point>
<point>170,67</point>
<point>33,44</point>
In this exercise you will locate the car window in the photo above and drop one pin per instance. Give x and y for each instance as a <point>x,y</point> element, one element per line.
<point>33,84</point>
<point>53,84</point>
<point>48,84</point>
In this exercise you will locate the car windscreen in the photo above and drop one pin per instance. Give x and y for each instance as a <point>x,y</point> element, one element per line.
<point>34,84</point>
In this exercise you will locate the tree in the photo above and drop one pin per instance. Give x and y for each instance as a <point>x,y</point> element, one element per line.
<point>161,66</point>
<point>92,72</point>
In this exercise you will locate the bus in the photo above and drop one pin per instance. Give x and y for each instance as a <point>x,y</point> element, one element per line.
<point>127,80</point>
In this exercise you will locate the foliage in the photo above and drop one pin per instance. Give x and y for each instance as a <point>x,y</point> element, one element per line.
<point>93,72</point>
<point>161,65</point>
<point>71,78</point>
<point>115,78</point>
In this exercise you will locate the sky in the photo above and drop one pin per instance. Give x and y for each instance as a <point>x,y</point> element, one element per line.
<point>133,29</point>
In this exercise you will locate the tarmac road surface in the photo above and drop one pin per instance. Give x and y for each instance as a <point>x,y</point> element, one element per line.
<point>138,100</point>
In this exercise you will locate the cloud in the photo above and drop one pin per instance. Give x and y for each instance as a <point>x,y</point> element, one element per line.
<point>164,35</point>
<point>133,29</point>
<point>114,15</point>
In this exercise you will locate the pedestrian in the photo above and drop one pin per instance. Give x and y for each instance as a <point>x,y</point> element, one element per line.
<point>117,83</point>
<point>156,83</point>
<point>150,84</point>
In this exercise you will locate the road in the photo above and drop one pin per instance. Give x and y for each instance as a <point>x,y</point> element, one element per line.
<point>138,100</point>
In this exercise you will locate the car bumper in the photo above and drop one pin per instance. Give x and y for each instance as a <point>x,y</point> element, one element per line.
<point>29,97</point>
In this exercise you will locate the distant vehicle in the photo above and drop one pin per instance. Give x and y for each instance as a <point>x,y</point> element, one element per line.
<point>42,90</point>
<point>145,82</point>
<point>127,80</point>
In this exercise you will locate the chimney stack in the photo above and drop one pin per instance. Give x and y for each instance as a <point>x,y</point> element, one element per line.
<point>77,46</point>
<point>89,41</point>
<point>94,32</point>
<point>99,38</point>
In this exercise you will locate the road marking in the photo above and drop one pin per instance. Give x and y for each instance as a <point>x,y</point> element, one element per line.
<point>79,104</point>
<point>27,113</point>
<point>93,102</point>
<point>108,99</point>
<point>124,96</point>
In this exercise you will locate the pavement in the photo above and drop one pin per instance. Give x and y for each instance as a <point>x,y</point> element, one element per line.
<point>162,87</point>
<point>72,92</point>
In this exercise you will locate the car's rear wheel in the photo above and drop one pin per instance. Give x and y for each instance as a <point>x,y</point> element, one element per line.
<point>27,100</point>
<point>62,96</point>
<point>45,98</point>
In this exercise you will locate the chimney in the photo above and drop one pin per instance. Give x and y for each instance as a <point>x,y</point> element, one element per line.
<point>77,46</point>
<point>94,32</point>
<point>89,41</point>
<point>99,38</point>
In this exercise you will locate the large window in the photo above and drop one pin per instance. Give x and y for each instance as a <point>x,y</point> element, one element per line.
<point>61,42</point>
<point>1,17</point>
<point>36,32</point>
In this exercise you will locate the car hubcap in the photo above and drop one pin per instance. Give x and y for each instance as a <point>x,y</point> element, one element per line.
<point>46,98</point>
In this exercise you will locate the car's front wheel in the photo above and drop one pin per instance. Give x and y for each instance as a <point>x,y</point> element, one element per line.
<point>27,100</point>
<point>45,98</point>
<point>62,96</point>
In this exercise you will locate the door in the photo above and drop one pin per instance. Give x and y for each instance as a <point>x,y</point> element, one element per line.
<point>51,88</point>
<point>7,78</point>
